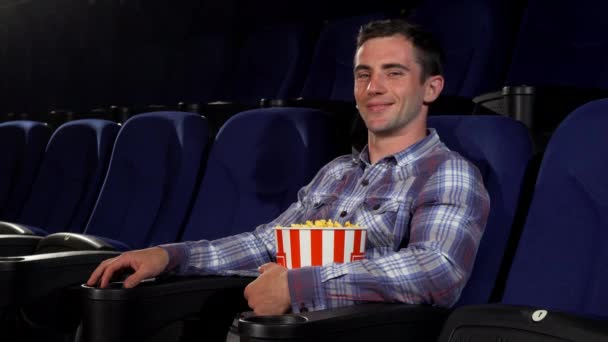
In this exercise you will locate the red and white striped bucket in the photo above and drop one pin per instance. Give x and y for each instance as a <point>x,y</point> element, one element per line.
<point>312,246</point>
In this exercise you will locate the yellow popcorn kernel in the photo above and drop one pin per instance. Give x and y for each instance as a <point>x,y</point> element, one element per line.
<point>323,224</point>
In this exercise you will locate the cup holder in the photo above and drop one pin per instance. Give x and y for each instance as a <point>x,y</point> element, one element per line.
<point>279,319</point>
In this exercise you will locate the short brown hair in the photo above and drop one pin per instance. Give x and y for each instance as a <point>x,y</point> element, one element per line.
<point>428,51</point>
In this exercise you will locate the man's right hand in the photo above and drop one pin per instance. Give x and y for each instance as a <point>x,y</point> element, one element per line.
<point>146,263</point>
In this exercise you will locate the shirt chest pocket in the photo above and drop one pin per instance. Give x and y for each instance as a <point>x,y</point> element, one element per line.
<point>379,215</point>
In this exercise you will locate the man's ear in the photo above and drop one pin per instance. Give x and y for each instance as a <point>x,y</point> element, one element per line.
<point>433,87</point>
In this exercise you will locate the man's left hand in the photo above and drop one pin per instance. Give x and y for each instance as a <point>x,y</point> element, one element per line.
<point>269,293</point>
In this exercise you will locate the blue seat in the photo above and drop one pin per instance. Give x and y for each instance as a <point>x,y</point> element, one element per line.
<point>545,44</point>
<point>70,176</point>
<point>330,76</point>
<point>501,149</point>
<point>561,259</point>
<point>534,93</point>
<point>272,63</point>
<point>22,145</point>
<point>151,179</point>
<point>259,160</point>
<point>476,39</point>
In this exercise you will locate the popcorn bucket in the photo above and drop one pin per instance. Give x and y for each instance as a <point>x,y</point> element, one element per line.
<point>316,246</point>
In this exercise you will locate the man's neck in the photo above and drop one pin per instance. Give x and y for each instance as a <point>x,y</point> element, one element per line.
<point>380,146</point>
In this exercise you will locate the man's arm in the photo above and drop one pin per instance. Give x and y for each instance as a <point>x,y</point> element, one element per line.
<point>246,251</point>
<point>449,217</point>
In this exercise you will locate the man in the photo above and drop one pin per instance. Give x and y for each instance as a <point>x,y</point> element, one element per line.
<point>424,206</point>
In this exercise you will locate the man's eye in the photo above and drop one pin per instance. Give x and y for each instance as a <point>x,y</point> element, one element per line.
<point>395,73</point>
<point>362,76</point>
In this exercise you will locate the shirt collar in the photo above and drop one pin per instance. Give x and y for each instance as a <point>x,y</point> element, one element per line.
<point>406,156</point>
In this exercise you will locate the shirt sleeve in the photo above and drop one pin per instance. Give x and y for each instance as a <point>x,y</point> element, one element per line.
<point>243,252</point>
<point>449,217</point>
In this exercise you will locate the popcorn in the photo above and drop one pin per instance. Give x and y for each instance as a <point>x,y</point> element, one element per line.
<point>324,224</point>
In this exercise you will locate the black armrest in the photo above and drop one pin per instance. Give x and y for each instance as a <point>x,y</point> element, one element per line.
<point>364,322</point>
<point>520,323</point>
<point>17,245</point>
<point>118,314</point>
<point>540,108</point>
<point>14,229</point>
<point>26,279</point>
<point>64,242</point>
<point>218,112</point>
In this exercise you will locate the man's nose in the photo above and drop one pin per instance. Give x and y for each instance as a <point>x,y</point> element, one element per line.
<point>376,85</point>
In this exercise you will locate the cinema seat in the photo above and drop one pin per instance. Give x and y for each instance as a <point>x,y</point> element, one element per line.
<point>22,145</point>
<point>66,188</point>
<point>555,288</point>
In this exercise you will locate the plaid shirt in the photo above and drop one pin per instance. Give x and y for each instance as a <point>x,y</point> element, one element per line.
<point>425,209</point>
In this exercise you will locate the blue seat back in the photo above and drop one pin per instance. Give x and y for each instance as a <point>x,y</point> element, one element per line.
<point>562,256</point>
<point>70,176</point>
<point>258,162</point>
<point>22,145</point>
<point>557,35</point>
<point>330,76</point>
<point>475,36</point>
<point>501,149</point>
<point>272,64</point>
<point>151,178</point>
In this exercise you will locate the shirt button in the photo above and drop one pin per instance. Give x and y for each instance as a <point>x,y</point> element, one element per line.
<point>343,213</point>
<point>364,182</point>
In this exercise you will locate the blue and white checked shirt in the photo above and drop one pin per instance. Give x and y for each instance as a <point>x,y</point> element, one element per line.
<point>425,210</point>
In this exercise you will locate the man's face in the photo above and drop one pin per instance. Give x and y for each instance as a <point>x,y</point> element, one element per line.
<point>388,88</point>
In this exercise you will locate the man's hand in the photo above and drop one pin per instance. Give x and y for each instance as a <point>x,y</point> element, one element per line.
<point>146,263</point>
<point>269,293</point>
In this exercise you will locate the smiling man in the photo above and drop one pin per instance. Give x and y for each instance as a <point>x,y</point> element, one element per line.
<point>424,206</point>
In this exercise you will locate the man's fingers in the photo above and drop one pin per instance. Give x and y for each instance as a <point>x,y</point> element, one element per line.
<point>94,278</point>
<point>135,278</point>
<point>111,268</point>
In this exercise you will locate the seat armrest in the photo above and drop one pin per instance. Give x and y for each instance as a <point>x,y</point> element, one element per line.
<point>25,279</point>
<point>17,245</point>
<point>218,112</point>
<point>364,322</point>
<point>63,242</point>
<point>537,106</point>
<point>497,322</point>
<point>118,314</point>
<point>14,229</point>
